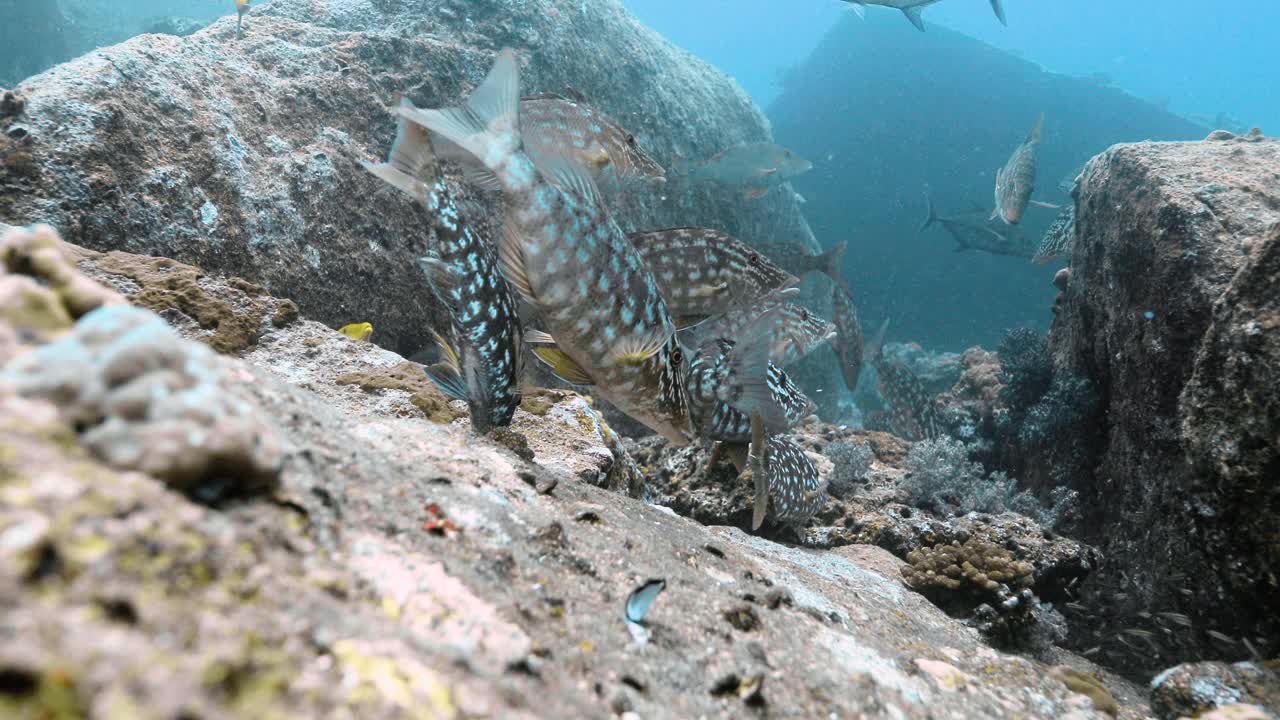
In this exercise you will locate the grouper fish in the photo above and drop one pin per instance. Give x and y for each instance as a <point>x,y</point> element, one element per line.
<point>848,340</point>
<point>703,272</point>
<point>554,124</point>
<point>793,487</point>
<point>912,412</point>
<point>564,254</point>
<point>794,332</point>
<point>1016,181</point>
<point>482,353</point>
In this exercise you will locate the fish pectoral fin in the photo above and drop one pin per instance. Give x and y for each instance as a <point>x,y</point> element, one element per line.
<point>396,178</point>
<point>442,275</point>
<point>684,322</point>
<point>512,262</point>
<point>759,464</point>
<point>538,337</point>
<point>448,380</point>
<point>636,349</point>
<point>858,9</point>
<point>766,172</point>
<point>564,367</point>
<point>448,356</point>
<point>708,291</point>
<point>755,192</point>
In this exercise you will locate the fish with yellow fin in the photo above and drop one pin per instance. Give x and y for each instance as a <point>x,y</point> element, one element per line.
<point>357,331</point>
<point>567,258</point>
<point>242,7</point>
<point>482,353</point>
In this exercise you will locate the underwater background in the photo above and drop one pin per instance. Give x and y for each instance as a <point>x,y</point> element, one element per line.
<point>886,112</point>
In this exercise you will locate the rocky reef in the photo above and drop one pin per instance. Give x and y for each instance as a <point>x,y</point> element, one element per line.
<point>228,155</point>
<point>1170,314</point>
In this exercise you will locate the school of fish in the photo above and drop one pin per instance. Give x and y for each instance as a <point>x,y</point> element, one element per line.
<point>687,330</point>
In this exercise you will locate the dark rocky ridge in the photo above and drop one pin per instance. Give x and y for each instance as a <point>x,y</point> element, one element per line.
<point>1171,312</point>
<point>885,112</point>
<point>241,157</point>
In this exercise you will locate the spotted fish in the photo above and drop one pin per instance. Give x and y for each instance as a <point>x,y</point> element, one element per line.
<point>912,411</point>
<point>848,340</point>
<point>791,483</point>
<point>1058,239</point>
<point>711,386</point>
<point>482,352</point>
<point>1016,181</point>
<point>755,167</point>
<point>555,125</point>
<point>564,254</point>
<point>703,272</point>
<point>794,333</point>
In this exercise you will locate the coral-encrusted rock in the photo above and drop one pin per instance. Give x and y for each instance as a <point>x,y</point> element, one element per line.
<point>146,399</point>
<point>1194,688</point>
<point>1171,313</point>
<point>241,157</point>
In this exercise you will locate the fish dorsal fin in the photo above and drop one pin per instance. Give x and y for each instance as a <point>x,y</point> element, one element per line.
<point>636,349</point>
<point>1036,130</point>
<point>487,126</point>
<point>913,14</point>
<point>564,367</point>
<point>998,7</point>
<point>574,94</point>
<point>758,458</point>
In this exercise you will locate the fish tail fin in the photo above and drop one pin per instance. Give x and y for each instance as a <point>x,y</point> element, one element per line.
<point>913,14</point>
<point>759,463</point>
<point>931,214</point>
<point>998,7</point>
<point>410,156</point>
<point>875,348</point>
<point>833,261</point>
<point>487,127</point>
<point>1036,130</point>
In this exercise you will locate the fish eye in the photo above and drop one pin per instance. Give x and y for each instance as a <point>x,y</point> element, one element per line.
<point>677,356</point>
<point>754,259</point>
<point>631,140</point>
<point>804,314</point>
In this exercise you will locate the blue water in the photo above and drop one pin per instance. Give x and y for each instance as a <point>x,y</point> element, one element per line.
<point>1203,58</point>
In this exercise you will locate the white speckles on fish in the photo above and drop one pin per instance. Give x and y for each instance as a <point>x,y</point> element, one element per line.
<point>795,490</point>
<point>913,413</point>
<point>1016,181</point>
<point>703,272</point>
<point>566,256</point>
<point>482,353</point>
<point>712,376</point>
<point>793,333</point>
<point>555,125</point>
<point>1058,239</point>
<point>848,340</point>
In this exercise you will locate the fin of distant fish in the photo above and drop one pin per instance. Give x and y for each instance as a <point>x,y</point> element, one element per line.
<point>913,14</point>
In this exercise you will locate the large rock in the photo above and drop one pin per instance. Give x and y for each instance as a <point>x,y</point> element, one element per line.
<point>406,568</point>
<point>1171,312</point>
<point>242,156</point>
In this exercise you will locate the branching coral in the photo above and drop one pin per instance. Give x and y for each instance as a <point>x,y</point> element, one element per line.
<point>945,479</point>
<point>852,461</point>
